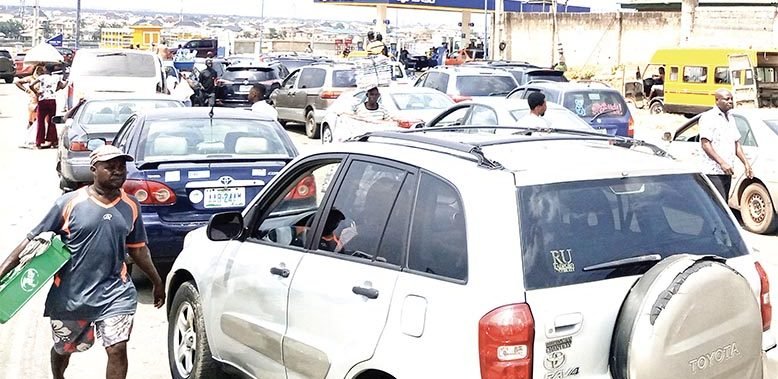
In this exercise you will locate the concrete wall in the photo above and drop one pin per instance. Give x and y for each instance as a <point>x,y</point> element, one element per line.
<point>606,40</point>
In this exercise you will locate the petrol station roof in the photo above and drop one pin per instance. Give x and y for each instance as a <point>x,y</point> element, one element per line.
<point>461,5</point>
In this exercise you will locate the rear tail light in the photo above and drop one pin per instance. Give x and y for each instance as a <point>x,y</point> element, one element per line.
<point>149,192</point>
<point>305,189</point>
<point>222,82</point>
<point>764,298</point>
<point>407,124</point>
<point>631,127</point>
<point>329,95</point>
<point>458,98</point>
<point>78,146</point>
<point>505,338</point>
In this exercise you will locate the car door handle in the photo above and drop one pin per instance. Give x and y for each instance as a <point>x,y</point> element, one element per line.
<point>370,293</point>
<point>282,272</point>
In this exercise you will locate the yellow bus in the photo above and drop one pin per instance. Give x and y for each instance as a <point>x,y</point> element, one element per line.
<point>692,76</point>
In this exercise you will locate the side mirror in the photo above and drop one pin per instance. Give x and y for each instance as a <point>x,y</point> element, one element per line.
<point>58,119</point>
<point>225,226</point>
<point>667,136</point>
<point>419,125</point>
<point>94,143</point>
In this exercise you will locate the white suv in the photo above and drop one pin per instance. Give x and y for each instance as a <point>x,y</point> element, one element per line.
<point>441,254</point>
<point>468,82</point>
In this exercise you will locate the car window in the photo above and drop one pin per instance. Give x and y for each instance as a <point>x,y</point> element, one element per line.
<point>212,139</point>
<point>192,44</point>
<point>359,217</point>
<point>312,78</point>
<point>438,81</point>
<point>438,243</point>
<point>102,112</point>
<point>746,135</point>
<point>485,85</point>
<point>621,218</point>
<point>290,216</point>
<point>5,54</point>
<point>291,79</point>
<point>525,94</point>
<point>122,136</point>
<point>557,118</point>
<point>251,74</point>
<point>518,75</point>
<point>420,101</point>
<point>420,82</point>
<point>344,78</point>
<point>453,118</point>
<point>591,102</point>
<point>690,134</point>
<point>482,115</point>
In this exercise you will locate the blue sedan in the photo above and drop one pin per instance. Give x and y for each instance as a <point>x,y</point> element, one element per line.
<point>189,165</point>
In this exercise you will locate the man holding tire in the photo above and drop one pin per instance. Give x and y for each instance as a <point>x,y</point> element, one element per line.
<point>720,142</point>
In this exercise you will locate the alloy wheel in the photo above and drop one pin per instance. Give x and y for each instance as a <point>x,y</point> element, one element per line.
<point>185,340</point>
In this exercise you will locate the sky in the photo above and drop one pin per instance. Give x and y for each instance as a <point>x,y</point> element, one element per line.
<point>274,8</point>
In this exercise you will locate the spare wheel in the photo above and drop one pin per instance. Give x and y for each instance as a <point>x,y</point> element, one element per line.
<point>688,317</point>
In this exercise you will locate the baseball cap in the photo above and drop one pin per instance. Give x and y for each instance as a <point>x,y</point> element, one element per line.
<point>106,153</point>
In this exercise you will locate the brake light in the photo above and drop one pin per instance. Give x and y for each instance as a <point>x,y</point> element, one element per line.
<point>505,338</point>
<point>459,98</point>
<point>222,82</point>
<point>764,297</point>
<point>149,192</point>
<point>329,95</point>
<point>78,146</point>
<point>305,189</point>
<point>407,124</point>
<point>631,127</point>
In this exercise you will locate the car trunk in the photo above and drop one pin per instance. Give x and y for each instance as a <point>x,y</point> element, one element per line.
<point>203,189</point>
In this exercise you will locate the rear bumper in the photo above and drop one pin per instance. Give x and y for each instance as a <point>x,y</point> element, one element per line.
<point>76,169</point>
<point>166,239</point>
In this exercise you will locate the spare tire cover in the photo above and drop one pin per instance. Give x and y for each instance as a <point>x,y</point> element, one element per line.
<point>688,317</point>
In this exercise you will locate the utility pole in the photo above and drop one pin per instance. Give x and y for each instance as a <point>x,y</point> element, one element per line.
<point>499,28</point>
<point>486,30</point>
<point>35,14</point>
<point>261,24</point>
<point>78,23</point>
<point>553,32</point>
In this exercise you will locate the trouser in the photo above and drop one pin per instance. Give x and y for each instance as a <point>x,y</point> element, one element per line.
<point>722,184</point>
<point>47,109</point>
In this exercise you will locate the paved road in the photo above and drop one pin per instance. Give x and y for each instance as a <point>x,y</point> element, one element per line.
<point>29,188</point>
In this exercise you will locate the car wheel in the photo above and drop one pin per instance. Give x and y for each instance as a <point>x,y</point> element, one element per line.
<point>311,129</point>
<point>326,133</point>
<point>672,323</point>
<point>656,108</point>
<point>9,79</point>
<point>66,185</point>
<point>189,355</point>
<point>756,209</point>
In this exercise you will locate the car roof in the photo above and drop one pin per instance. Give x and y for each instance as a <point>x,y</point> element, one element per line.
<point>191,113</point>
<point>473,70</point>
<point>506,103</point>
<point>569,86</point>
<point>109,51</point>
<point>98,96</point>
<point>760,113</point>
<point>248,66</point>
<point>402,89</point>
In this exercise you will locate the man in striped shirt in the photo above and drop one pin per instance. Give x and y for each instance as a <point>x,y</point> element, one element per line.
<point>371,110</point>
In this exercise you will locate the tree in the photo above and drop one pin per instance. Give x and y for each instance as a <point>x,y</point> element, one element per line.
<point>12,29</point>
<point>47,30</point>
<point>99,31</point>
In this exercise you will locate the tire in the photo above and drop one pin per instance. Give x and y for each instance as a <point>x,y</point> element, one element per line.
<point>311,129</point>
<point>9,79</point>
<point>66,185</point>
<point>326,133</point>
<point>186,331</point>
<point>656,108</point>
<point>672,323</point>
<point>756,209</point>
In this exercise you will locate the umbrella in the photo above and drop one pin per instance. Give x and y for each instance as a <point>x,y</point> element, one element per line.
<point>43,53</point>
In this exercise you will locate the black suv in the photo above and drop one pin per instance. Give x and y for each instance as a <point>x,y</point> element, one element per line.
<point>7,66</point>
<point>232,88</point>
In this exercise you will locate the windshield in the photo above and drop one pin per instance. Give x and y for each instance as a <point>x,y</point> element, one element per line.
<point>251,74</point>
<point>421,101</point>
<point>118,64</point>
<point>591,102</point>
<point>5,54</point>
<point>569,226</point>
<point>485,85</point>
<point>344,78</point>
<point>105,112</point>
<point>217,139</point>
<point>557,118</point>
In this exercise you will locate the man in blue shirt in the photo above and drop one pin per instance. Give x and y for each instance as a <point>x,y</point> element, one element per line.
<point>92,294</point>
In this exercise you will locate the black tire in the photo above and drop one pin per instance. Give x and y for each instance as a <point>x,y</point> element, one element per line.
<point>9,79</point>
<point>326,133</point>
<point>190,336</point>
<point>311,129</point>
<point>656,108</point>
<point>66,185</point>
<point>756,209</point>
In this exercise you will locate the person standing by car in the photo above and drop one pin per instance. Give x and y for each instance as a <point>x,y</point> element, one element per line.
<point>371,110</point>
<point>32,108</point>
<point>258,103</point>
<point>720,142</point>
<point>208,78</point>
<point>45,89</point>
<point>537,109</point>
<point>92,293</point>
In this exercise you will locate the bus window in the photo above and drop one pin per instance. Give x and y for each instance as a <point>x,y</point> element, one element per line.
<point>721,75</point>
<point>673,74</point>
<point>695,74</point>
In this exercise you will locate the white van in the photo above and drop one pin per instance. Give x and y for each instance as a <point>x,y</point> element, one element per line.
<point>114,70</point>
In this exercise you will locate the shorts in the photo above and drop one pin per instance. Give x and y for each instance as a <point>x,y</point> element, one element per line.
<point>79,335</point>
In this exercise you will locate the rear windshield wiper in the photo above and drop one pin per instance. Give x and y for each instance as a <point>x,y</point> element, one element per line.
<point>112,55</point>
<point>602,113</point>
<point>499,93</point>
<point>641,259</point>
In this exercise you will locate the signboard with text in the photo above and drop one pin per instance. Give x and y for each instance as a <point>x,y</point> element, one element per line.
<point>55,41</point>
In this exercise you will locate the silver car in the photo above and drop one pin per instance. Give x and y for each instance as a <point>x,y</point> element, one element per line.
<point>98,117</point>
<point>759,137</point>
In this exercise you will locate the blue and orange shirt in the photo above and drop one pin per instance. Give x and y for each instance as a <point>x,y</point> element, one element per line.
<point>93,284</point>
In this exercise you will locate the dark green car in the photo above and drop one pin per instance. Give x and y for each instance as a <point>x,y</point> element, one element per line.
<point>7,66</point>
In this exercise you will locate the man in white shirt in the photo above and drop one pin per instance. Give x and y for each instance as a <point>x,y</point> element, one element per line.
<point>371,109</point>
<point>258,103</point>
<point>537,109</point>
<point>720,142</point>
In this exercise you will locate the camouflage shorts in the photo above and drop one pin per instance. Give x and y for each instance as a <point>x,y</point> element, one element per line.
<point>73,336</point>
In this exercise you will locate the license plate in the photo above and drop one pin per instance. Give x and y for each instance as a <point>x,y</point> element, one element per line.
<point>244,88</point>
<point>224,197</point>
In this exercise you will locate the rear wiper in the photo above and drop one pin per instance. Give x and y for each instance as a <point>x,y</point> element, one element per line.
<point>500,93</point>
<point>602,113</point>
<point>112,55</point>
<point>641,259</point>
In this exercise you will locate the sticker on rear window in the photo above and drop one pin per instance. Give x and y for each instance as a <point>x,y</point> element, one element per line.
<point>594,96</point>
<point>563,260</point>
